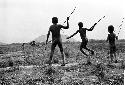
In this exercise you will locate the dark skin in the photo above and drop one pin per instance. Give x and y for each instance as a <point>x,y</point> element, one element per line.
<point>56,38</point>
<point>82,32</point>
<point>55,30</point>
<point>111,38</point>
<point>23,45</point>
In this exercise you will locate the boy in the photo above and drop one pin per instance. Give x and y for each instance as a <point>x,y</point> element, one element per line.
<point>111,38</point>
<point>82,32</point>
<point>56,38</point>
<point>23,45</point>
<point>32,43</point>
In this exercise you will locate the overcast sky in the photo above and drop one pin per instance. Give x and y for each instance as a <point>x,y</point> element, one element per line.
<point>25,20</point>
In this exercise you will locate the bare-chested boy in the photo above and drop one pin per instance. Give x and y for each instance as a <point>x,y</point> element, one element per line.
<point>82,32</point>
<point>56,38</point>
<point>111,38</point>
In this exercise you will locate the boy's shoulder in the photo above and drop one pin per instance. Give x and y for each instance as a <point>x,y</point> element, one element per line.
<point>56,25</point>
<point>59,25</point>
<point>53,26</point>
<point>112,34</point>
<point>82,29</point>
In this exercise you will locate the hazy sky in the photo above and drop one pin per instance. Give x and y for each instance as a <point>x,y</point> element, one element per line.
<point>24,20</point>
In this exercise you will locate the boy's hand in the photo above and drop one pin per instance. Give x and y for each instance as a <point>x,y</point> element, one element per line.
<point>67,18</point>
<point>67,37</point>
<point>117,37</point>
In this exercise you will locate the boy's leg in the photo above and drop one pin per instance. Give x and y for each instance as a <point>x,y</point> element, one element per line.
<point>85,47</point>
<point>83,51</point>
<point>115,58</point>
<point>62,53</point>
<point>88,60</point>
<point>114,52</point>
<point>111,54</point>
<point>52,52</point>
<point>92,52</point>
<point>81,47</point>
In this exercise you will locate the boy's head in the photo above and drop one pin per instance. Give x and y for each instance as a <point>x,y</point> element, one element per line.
<point>110,28</point>
<point>54,20</point>
<point>80,24</point>
<point>33,41</point>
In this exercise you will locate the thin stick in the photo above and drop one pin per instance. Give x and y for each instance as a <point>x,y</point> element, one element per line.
<point>70,14</point>
<point>120,26</point>
<point>101,19</point>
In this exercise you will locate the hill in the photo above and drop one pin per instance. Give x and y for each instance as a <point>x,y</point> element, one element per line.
<point>42,38</point>
<point>2,43</point>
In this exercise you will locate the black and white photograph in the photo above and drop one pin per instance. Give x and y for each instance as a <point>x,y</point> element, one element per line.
<point>62,42</point>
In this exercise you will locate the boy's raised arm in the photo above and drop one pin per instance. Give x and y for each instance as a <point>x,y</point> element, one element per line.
<point>66,27</point>
<point>73,34</point>
<point>92,27</point>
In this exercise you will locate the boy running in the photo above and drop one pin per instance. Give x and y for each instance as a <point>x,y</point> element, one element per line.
<point>111,39</point>
<point>56,38</point>
<point>82,32</point>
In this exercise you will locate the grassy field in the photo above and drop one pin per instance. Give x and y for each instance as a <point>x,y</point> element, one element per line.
<point>28,66</point>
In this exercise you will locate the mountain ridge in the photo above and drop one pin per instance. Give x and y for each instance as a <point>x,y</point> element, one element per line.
<point>43,38</point>
<point>1,43</point>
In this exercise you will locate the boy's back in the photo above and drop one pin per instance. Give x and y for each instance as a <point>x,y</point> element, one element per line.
<point>82,32</point>
<point>56,37</point>
<point>55,29</point>
<point>111,38</point>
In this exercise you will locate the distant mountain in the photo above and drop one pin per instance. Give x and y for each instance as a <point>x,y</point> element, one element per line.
<point>2,43</point>
<point>42,38</point>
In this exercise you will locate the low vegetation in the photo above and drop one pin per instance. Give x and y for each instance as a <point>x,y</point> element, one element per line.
<point>28,66</point>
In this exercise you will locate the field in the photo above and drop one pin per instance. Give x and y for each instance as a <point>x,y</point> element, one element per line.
<point>28,66</point>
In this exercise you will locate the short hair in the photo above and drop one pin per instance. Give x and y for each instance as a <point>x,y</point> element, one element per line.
<point>32,43</point>
<point>80,24</point>
<point>54,20</point>
<point>110,28</point>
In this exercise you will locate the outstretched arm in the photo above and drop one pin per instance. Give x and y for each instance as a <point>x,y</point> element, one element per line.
<point>91,27</point>
<point>73,34</point>
<point>66,27</point>
<point>48,36</point>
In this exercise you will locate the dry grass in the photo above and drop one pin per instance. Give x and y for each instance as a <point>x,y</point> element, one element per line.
<point>28,67</point>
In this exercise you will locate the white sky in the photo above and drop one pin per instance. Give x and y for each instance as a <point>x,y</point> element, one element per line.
<point>24,20</point>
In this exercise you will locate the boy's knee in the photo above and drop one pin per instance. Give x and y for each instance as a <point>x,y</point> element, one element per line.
<point>80,48</point>
<point>61,50</point>
<point>52,51</point>
<point>84,47</point>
